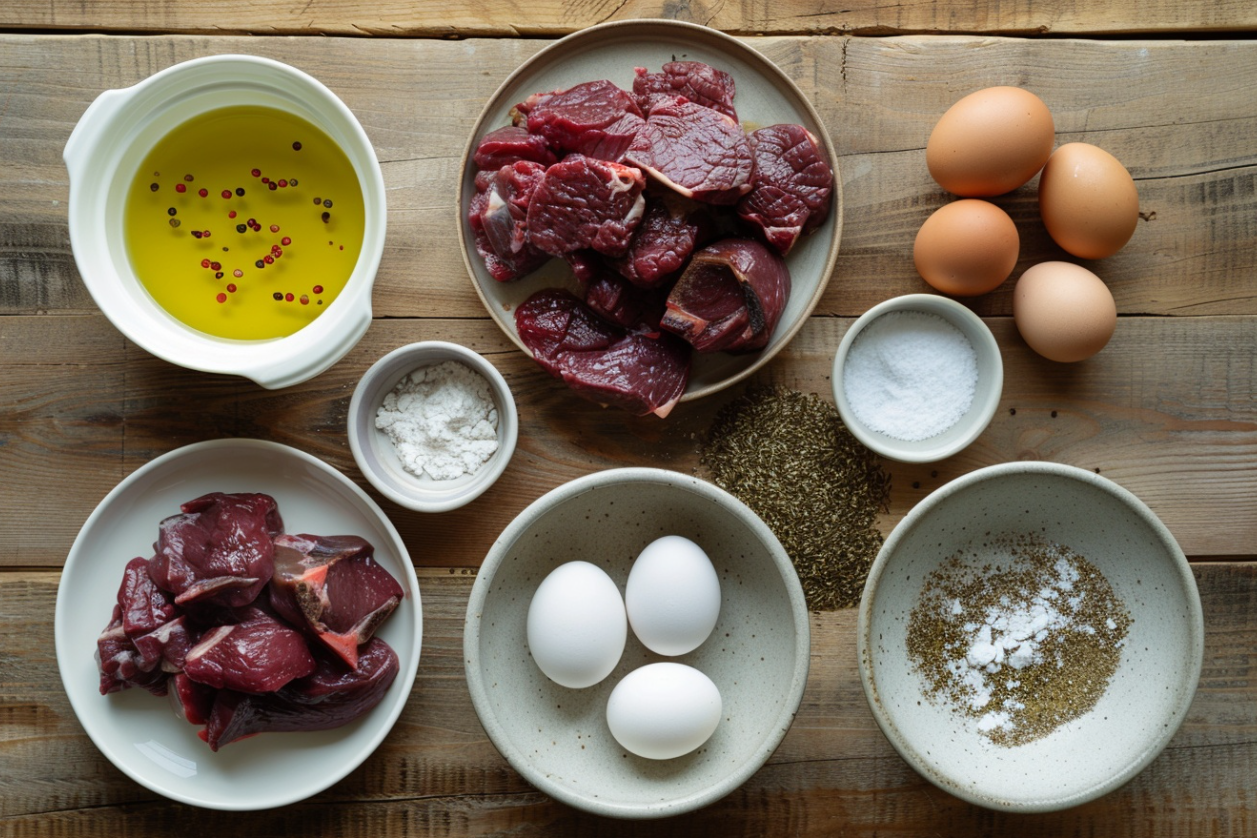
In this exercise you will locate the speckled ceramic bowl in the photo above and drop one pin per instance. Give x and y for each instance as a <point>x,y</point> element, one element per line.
<point>557,738</point>
<point>1145,700</point>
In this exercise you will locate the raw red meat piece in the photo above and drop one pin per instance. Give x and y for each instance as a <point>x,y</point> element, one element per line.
<point>498,216</point>
<point>670,231</point>
<point>582,202</point>
<point>258,655</point>
<point>168,644</point>
<point>614,298</point>
<point>219,550</point>
<point>730,298</point>
<point>640,372</point>
<point>699,152</point>
<point>509,266</point>
<point>144,605</point>
<point>701,83</point>
<point>793,185</point>
<point>519,113</point>
<point>190,700</point>
<point>589,118</point>
<point>509,145</point>
<point>332,587</point>
<point>121,665</point>
<point>331,696</point>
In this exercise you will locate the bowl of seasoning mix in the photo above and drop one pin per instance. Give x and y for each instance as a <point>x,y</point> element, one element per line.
<point>432,425</point>
<point>917,378</point>
<point>1030,637</point>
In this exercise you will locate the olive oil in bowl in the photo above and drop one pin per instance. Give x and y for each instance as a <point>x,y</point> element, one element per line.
<point>244,222</point>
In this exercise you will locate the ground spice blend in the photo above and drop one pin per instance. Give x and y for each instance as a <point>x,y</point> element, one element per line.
<point>1022,648</point>
<point>788,456</point>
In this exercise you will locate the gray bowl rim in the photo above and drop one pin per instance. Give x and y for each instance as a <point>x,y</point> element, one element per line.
<point>484,581</point>
<point>1196,626</point>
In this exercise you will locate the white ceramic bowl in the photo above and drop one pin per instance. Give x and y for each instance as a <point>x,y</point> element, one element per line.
<point>106,149</point>
<point>757,655</point>
<point>1147,697</point>
<point>137,731</point>
<point>986,398</point>
<point>374,451</point>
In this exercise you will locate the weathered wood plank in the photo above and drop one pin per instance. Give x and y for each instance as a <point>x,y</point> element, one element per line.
<point>1168,410</point>
<point>461,18</point>
<point>1180,115</point>
<point>438,775</point>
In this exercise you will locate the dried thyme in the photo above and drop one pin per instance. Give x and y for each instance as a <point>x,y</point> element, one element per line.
<point>1022,648</point>
<point>788,456</point>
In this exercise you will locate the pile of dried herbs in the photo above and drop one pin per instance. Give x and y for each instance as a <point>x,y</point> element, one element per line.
<point>788,456</point>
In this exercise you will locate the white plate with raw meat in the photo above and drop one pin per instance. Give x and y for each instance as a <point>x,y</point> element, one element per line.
<point>765,96</point>
<point>137,731</point>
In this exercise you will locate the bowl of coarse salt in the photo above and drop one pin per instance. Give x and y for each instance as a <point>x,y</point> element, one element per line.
<point>917,378</point>
<point>432,425</point>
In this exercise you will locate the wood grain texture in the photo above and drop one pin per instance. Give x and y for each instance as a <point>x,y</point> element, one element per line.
<point>1179,115</point>
<point>1168,410</point>
<point>438,775</point>
<point>463,18</point>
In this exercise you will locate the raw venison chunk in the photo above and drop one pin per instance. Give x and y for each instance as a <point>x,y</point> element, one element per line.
<point>498,217</point>
<point>257,656</point>
<point>730,298</point>
<point>510,145</point>
<point>190,700</point>
<point>332,587</point>
<point>501,201</point>
<point>701,83</point>
<point>331,696</point>
<point>168,644</point>
<point>614,298</point>
<point>219,550</point>
<point>699,152</point>
<point>639,372</point>
<point>589,118</point>
<point>793,185</point>
<point>144,605</point>
<point>586,203</point>
<point>121,665</point>
<point>670,231</point>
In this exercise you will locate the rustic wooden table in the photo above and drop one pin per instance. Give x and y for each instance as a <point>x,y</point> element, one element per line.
<point>1166,410</point>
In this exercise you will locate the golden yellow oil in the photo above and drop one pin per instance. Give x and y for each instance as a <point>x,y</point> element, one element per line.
<point>244,222</point>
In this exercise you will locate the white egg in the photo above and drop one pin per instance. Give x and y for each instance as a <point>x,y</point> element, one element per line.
<point>576,625</point>
<point>672,596</point>
<point>663,710</point>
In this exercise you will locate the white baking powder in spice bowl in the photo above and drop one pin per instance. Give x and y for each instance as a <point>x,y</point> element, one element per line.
<point>442,421</point>
<point>910,375</point>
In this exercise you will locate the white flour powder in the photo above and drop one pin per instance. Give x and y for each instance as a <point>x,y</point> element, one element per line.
<point>441,420</point>
<point>910,375</point>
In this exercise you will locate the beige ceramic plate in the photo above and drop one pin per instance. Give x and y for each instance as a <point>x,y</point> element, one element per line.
<point>765,96</point>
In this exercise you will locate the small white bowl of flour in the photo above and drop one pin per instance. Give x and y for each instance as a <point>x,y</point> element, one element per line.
<point>432,425</point>
<point>917,378</point>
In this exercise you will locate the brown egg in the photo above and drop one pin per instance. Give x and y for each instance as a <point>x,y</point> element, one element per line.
<point>1064,311</point>
<point>1088,201</point>
<point>990,142</point>
<point>966,248</point>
